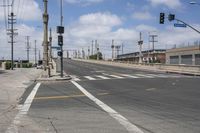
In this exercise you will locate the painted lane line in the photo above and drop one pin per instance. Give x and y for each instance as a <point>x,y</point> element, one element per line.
<point>131,128</point>
<point>102,77</point>
<point>89,77</point>
<point>29,100</point>
<point>23,110</point>
<point>130,76</point>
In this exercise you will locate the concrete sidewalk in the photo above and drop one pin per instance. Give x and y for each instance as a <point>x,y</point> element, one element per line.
<point>13,85</point>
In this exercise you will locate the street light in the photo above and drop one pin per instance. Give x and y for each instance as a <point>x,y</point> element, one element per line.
<point>194,2</point>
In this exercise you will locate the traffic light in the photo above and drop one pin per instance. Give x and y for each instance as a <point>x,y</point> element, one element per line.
<point>60,53</point>
<point>60,40</point>
<point>60,29</point>
<point>162,18</point>
<point>171,17</point>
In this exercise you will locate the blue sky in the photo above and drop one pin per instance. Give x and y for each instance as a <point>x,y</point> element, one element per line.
<point>104,20</point>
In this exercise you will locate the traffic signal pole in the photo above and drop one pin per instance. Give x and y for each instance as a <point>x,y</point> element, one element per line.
<point>60,31</point>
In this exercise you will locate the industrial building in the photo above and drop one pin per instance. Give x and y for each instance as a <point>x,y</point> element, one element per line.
<point>156,56</point>
<point>187,55</point>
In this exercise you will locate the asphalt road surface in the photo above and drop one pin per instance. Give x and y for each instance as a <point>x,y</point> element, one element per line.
<point>106,99</point>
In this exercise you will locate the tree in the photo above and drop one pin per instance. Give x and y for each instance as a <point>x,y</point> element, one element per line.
<point>94,57</point>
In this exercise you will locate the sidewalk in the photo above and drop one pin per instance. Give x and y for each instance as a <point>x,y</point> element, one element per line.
<point>13,85</point>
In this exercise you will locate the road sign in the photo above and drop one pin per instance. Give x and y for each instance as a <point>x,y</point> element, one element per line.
<point>180,25</point>
<point>55,47</point>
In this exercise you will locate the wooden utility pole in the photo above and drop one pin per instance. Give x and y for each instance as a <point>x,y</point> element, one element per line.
<point>35,52</point>
<point>27,47</point>
<point>11,32</point>
<point>140,42</point>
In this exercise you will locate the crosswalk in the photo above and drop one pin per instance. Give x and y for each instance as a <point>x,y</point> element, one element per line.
<point>105,76</point>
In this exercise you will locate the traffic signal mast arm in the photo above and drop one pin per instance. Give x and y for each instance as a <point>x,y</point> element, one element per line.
<point>187,25</point>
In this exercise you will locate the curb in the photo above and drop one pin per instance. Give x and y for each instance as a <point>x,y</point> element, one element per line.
<point>57,78</point>
<point>183,73</point>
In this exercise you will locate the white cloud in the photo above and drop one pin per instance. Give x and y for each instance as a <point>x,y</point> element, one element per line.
<point>142,15</point>
<point>94,25</point>
<point>178,35</point>
<point>169,3</point>
<point>83,2</point>
<point>20,45</point>
<point>27,10</point>
<point>105,19</point>
<point>145,28</point>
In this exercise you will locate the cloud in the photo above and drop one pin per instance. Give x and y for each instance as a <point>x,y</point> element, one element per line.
<point>20,45</point>
<point>169,3</point>
<point>145,28</point>
<point>105,19</point>
<point>83,2</point>
<point>27,10</point>
<point>142,15</point>
<point>178,35</point>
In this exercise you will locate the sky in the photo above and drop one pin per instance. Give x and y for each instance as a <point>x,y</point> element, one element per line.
<point>101,20</point>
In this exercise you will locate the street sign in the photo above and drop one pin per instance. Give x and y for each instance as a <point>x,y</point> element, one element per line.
<point>55,47</point>
<point>180,25</point>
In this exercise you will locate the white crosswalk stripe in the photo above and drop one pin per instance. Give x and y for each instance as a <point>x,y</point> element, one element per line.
<point>157,75</point>
<point>115,76</point>
<point>144,75</point>
<point>106,76</point>
<point>102,77</point>
<point>130,76</point>
<point>89,77</point>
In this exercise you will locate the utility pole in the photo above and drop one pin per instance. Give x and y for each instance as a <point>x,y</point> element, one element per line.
<point>12,33</point>
<point>122,48</point>
<point>60,31</point>
<point>117,49</point>
<point>50,45</point>
<point>140,42</point>
<point>92,47</point>
<point>112,46</point>
<point>35,52</point>
<point>45,41</point>
<point>39,56</point>
<point>95,46</point>
<point>153,44</point>
<point>28,47</point>
<point>88,52</point>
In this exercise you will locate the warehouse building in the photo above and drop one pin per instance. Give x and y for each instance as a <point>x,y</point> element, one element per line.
<point>156,56</point>
<point>187,55</point>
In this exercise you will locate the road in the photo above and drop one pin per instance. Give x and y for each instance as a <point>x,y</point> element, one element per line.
<point>106,99</point>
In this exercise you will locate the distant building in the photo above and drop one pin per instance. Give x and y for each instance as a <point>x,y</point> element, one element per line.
<point>157,55</point>
<point>187,55</point>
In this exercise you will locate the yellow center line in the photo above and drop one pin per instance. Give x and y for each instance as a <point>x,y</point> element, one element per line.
<point>59,97</point>
<point>63,97</point>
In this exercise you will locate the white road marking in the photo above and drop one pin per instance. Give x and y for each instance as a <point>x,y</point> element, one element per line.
<point>143,75</point>
<point>131,128</point>
<point>23,110</point>
<point>102,77</point>
<point>76,79</point>
<point>130,76</point>
<point>115,76</point>
<point>90,78</point>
